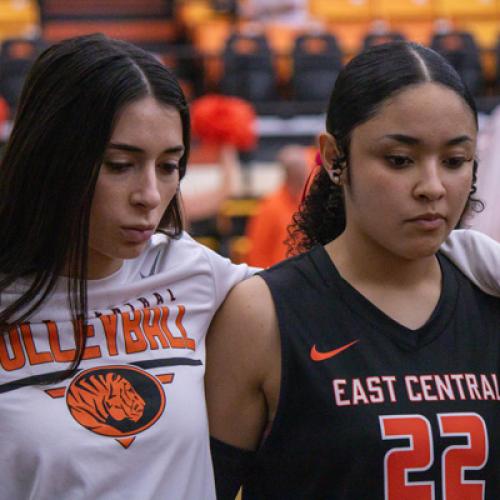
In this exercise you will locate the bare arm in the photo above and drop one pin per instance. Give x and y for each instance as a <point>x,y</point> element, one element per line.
<point>243,366</point>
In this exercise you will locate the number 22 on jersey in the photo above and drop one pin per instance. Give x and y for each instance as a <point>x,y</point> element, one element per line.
<point>419,456</point>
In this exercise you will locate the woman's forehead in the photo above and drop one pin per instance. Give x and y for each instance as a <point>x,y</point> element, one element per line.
<point>427,112</point>
<point>147,120</point>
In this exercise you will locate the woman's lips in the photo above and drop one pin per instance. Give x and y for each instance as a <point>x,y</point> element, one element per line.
<point>429,222</point>
<point>136,234</point>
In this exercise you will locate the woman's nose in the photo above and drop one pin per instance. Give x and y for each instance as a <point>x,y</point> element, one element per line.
<point>145,191</point>
<point>430,184</point>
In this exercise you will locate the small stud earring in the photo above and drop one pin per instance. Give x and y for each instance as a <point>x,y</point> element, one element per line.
<point>336,177</point>
<point>335,173</point>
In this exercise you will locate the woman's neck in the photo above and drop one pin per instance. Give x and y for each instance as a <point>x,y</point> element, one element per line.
<point>363,260</point>
<point>407,290</point>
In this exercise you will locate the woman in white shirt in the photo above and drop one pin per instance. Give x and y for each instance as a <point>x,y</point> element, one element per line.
<point>112,405</point>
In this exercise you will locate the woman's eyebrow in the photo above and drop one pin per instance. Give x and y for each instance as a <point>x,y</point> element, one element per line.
<point>459,140</point>
<point>135,149</point>
<point>411,141</point>
<point>405,139</point>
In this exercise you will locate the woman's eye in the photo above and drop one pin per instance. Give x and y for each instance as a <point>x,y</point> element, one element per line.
<point>399,161</point>
<point>169,167</point>
<point>457,161</point>
<point>117,166</point>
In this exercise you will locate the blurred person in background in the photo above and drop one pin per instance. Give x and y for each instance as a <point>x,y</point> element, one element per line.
<point>267,229</point>
<point>207,204</point>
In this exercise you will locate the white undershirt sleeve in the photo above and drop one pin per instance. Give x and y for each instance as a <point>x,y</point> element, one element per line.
<point>477,256</point>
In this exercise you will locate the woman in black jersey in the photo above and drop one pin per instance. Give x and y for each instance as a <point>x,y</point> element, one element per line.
<point>367,366</point>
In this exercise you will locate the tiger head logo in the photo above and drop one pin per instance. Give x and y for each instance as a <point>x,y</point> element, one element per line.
<point>115,401</point>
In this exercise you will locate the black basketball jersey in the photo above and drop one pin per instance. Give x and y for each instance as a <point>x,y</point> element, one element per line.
<point>369,409</point>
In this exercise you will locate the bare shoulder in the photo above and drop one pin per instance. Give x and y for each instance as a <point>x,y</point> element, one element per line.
<point>247,298</point>
<point>247,318</point>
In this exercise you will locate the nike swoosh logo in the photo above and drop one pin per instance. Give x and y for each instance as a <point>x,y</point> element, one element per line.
<point>153,268</point>
<point>321,356</point>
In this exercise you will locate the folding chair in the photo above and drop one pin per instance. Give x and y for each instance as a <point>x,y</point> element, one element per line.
<point>248,68</point>
<point>317,61</point>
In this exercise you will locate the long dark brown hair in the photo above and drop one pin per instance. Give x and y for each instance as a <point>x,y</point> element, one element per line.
<point>49,170</point>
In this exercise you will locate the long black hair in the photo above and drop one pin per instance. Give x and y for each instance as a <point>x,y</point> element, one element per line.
<point>360,89</point>
<point>48,173</point>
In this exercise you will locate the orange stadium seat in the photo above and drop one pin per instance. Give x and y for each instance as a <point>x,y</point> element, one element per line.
<point>341,10</point>
<point>18,18</point>
<point>281,41</point>
<point>16,57</point>
<point>195,12</point>
<point>249,70</point>
<point>466,9</point>
<point>145,22</point>
<point>462,51</point>
<point>373,39</point>
<point>102,7</point>
<point>317,63</point>
<point>281,37</point>
<point>485,31</point>
<point>489,64</point>
<point>416,31</point>
<point>350,36</point>
<point>402,9</point>
<point>150,30</point>
<point>210,37</point>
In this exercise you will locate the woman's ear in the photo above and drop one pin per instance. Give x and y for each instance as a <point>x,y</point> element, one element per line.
<point>330,152</point>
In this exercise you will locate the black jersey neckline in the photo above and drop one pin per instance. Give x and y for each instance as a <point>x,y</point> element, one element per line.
<point>363,308</point>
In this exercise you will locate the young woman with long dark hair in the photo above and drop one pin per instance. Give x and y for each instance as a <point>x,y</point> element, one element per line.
<point>105,301</point>
<point>368,365</point>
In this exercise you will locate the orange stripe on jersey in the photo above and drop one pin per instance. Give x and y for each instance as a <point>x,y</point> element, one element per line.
<point>58,392</point>
<point>166,378</point>
<point>126,442</point>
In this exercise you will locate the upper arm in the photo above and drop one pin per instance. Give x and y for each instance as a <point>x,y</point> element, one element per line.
<point>242,350</point>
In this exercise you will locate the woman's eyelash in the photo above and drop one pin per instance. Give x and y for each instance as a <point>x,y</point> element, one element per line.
<point>458,161</point>
<point>116,165</point>
<point>402,161</point>
<point>398,160</point>
<point>169,166</point>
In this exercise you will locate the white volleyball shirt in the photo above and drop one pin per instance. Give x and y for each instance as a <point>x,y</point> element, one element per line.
<point>131,423</point>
